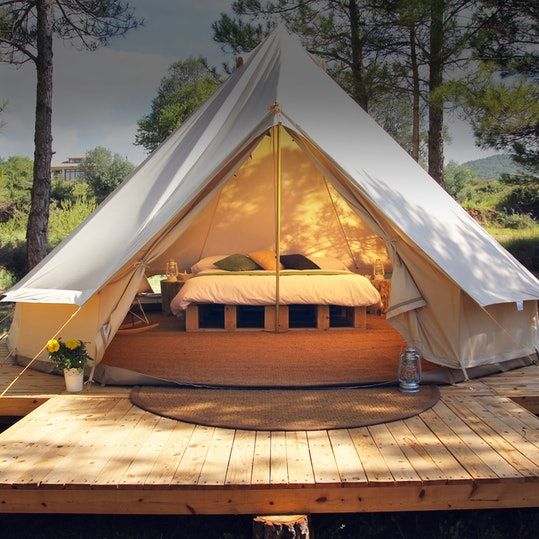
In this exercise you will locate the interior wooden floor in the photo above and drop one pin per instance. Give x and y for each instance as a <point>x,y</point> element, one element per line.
<point>295,357</point>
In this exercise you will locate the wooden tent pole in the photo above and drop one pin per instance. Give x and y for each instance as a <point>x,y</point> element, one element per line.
<point>278,189</point>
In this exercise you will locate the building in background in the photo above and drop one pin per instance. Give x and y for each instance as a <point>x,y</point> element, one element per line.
<point>68,169</point>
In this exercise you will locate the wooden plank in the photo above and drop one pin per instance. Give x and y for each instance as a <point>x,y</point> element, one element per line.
<point>269,317</point>
<point>278,460</point>
<point>148,454</point>
<point>216,462</point>
<point>53,436</point>
<point>63,463</point>
<point>530,402</point>
<point>193,458</point>
<point>324,466</point>
<point>300,470</point>
<point>165,467</point>
<point>373,463</point>
<point>110,439</point>
<point>240,466</point>
<point>483,451</point>
<point>524,466</point>
<point>191,318</point>
<point>506,431</point>
<point>322,317</point>
<point>445,461</point>
<point>13,406</point>
<point>126,449</point>
<point>278,500</point>
<point>401,470</point>
<point>418,457</point>
<point>346,457</point>
<point>505,405</point>
<point>262,459</point>
<point>458,448</point>
<point>230,318</point>
<point>360,317</point>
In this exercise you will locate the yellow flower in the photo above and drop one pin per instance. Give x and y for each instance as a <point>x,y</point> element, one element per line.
<point>53,346</point>
<point>72,344</point>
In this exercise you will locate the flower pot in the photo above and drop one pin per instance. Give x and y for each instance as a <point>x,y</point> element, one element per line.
<point>74,380</point>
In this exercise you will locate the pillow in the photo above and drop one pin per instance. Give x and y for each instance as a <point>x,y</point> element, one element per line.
<point>237,263</point>
<point>207,263</point>
<point>265,259</point>
<point>329,264</point>
<point>298,262</point>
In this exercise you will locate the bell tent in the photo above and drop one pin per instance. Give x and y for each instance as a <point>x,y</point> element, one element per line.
<point>347,189</point>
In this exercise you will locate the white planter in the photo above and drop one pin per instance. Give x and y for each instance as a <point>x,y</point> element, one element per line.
<point>74,380</point>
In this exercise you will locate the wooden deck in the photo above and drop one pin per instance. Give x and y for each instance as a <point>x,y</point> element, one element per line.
<point>97,453</point>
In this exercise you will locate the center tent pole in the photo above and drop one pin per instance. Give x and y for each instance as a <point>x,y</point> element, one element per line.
<point>278,191</point>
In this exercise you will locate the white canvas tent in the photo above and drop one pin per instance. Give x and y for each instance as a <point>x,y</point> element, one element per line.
<point>457,295</point>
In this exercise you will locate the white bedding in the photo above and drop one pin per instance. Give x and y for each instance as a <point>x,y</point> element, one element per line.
<point>314,287</point>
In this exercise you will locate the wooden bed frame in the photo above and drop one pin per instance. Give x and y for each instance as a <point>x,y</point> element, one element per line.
<point>358,318</point>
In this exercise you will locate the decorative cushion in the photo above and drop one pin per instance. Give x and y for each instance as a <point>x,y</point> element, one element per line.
<point>298,262</point>
<point>329,264</point>
<point>207,263</point>
<point>237,262</point>
<point>265,259</point>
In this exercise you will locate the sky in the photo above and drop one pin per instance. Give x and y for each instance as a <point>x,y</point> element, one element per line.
<point>99,96</point>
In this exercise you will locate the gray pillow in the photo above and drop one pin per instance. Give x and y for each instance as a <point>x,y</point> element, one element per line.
<point>237,263</point>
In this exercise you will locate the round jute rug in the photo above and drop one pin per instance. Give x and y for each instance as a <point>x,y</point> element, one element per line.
<point>284,409</point>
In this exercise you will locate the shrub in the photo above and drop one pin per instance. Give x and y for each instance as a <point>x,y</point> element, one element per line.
<point>517,221</point>
<point>522,199</point>
<point>68,216</point>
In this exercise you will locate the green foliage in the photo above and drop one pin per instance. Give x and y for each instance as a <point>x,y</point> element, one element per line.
<point>72,190</point>
<point>16,175</point>
<point>68,216</point>
<point>71,354</point>
<point>459,181</point>
<point>7,280</point>
<point>103,171</point>
<point>182,90</point>
<point>522,199</point>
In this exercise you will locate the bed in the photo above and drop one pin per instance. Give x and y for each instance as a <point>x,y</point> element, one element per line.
<point>320,287</point>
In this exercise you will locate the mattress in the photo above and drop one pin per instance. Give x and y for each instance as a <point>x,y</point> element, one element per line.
<point>308,287</point>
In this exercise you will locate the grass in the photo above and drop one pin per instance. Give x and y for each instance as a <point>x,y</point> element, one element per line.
<point>522,244</point>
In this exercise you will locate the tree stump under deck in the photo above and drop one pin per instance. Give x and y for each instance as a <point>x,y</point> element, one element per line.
<point>281,527</point>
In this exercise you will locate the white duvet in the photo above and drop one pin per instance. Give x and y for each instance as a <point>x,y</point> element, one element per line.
<point>315,287</point>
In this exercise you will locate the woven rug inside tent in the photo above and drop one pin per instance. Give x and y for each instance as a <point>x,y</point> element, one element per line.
<point>285,409</point>
<point>247,358</point>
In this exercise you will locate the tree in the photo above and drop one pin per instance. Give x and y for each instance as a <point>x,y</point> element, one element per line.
<point>459,180</point>
<point>3,105</point>
<point>104,171</point>
<point>27,30</point>
<point>345,34</point>
<point>505,114</point>
<point>182,90</point>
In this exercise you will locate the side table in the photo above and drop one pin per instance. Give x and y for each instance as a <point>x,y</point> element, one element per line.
<point>169,289</point>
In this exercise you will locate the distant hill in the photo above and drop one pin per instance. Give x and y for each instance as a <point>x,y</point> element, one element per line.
<point>491,168</point>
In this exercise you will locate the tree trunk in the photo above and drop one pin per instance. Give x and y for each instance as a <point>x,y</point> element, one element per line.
<point>358,72</point>
<point>436,106</point>
<point>281,527</point>
<point>38,220</point>
<point>415,93</point>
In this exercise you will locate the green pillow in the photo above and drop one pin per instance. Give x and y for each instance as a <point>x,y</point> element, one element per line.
<point>237,263</point>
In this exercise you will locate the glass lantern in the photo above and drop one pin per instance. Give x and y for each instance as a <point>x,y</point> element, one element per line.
<point>172,270</point>
<point>409,375</point>
<point>378,270</point>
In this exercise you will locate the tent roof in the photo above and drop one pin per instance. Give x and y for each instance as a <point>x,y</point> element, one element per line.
<point>314,106</point>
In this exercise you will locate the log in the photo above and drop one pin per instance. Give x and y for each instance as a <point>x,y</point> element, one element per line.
<point>281,527</point>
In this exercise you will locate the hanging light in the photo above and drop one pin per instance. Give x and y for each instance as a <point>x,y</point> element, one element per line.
<point>409,371</point>
<point>172,270</point>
